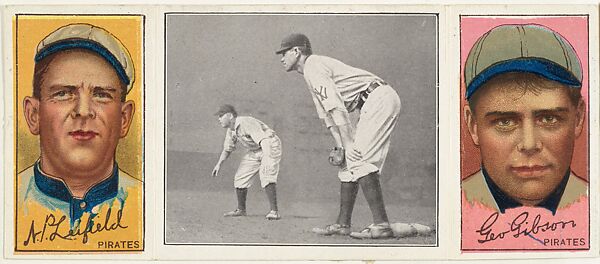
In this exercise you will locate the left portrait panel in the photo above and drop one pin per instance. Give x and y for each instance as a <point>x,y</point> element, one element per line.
<point>78,97</point>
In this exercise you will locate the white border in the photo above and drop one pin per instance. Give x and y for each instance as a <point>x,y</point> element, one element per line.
<point>312,252</point>
<point>448,137</point>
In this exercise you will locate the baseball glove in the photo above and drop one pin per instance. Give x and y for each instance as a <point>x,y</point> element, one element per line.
<point>337,157</point>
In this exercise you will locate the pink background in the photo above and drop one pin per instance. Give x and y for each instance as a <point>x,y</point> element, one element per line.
<point>572,28</point>
<point>576,212</point>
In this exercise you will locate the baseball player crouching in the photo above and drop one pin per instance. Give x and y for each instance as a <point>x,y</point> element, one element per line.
<point>262,157</point>
<point>337,89</point>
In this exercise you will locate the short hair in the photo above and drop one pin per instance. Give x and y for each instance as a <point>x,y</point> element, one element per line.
<point>527,82</point>
<point>42,66</point>
<point>306,50</point>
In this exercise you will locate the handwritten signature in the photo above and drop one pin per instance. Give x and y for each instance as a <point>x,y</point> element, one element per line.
<point>520,226</point>
<point>53,225</point>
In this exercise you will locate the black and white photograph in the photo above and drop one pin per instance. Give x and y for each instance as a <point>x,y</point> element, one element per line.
<point>301,129</point>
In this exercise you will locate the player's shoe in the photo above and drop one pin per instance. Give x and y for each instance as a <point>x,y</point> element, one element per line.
<point>333,229</point>
<point>273,215</point>
<point>235,213</point>
<point>374,231</point>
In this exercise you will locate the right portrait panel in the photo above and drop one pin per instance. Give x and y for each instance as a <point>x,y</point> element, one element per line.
<point>524,133</point>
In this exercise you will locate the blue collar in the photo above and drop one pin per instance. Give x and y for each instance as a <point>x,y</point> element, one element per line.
<point>99,193</point>
<point>506,202</point>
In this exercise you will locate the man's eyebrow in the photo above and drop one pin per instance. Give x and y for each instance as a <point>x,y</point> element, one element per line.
<point>535,112</point>
<point>61,86</point>
<point>551,110</point>
<point>108,88</point>
<point>501,113</point>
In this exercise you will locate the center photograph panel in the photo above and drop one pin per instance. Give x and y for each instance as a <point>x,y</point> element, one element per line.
<point>301,129</point>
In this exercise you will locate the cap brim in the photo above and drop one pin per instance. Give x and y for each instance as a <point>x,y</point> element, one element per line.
<point>539,66</point>
<point>88,45</point>
<point>282,50</point>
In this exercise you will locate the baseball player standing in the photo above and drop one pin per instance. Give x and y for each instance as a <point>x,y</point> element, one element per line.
<point>263,157</point>
<point>336,90</point>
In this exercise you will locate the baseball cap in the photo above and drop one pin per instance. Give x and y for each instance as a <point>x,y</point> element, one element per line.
<point>92,38</point>
<point>522,48</point>
<point>293,40</point>
<point>226,108</point>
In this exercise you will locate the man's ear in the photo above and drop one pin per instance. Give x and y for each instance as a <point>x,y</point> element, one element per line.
<point>297,51</point>
<point>31,110</point>
<point>471,124</point>
<point>580,118</point>
<point>127,110</point>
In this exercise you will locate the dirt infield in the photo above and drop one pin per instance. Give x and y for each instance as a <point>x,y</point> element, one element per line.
<point>195,204</point>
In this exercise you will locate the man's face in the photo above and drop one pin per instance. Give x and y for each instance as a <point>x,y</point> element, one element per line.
<point>526,139</point>
<point>79,116</point>
<point>225,120</point>
<point>289,59</point>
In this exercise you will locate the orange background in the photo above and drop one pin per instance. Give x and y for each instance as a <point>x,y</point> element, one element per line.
<point>30,30</point>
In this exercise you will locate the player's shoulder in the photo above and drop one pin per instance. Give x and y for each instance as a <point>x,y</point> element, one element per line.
<point>474,180</point>
<point>316,62</point>
<point>319,60</point>
<point>475,189</point>
<point>25,180</point>
<point>127,181</point>
<point>241,120</point>
<point>577,182</point>
<point>575,189</point>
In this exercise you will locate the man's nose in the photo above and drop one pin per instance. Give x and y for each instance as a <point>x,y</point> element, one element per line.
<point>84,107</point>
<point>530,141</point>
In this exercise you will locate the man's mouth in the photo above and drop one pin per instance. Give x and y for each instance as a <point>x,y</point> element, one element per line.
<point>83,135</point>
<point>530,170</point>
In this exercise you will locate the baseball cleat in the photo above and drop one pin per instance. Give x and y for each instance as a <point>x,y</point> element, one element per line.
<point>235,213</point>
<point>374,231</point>
<point>273,215</point>
<point>333,229</point>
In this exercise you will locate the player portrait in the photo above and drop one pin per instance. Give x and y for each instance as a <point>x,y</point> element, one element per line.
<point>353,166</point>
<point>79,183</point>
<point>524,133</point>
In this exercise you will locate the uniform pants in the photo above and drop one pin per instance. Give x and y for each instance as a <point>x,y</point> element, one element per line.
<point>254,162</point>
<point>378,117</point>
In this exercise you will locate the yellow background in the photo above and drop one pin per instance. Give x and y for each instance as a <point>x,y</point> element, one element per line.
<point>30,30</point>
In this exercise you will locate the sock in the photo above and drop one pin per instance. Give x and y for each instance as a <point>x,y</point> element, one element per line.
<point>271,191</point>
<point>372,191</point>
<point>241,197</point>
<point>348,191</point>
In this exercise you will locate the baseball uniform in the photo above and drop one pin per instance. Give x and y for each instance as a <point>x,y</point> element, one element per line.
<point>479,187</point>
<point>45,201</point>
<point>249,132</point>
<point>335,85</point>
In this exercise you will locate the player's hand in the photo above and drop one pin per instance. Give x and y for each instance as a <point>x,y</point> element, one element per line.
<point>337,157</point>
<point>215,171</point>
<point>353,154</point>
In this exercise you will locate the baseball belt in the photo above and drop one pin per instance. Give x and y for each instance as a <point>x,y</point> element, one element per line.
<point>362,97</point>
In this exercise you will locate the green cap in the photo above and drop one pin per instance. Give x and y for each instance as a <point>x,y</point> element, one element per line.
<point>522,48</point>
